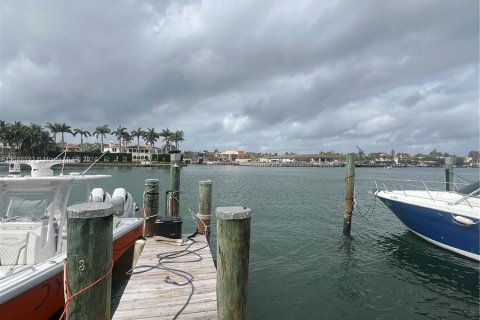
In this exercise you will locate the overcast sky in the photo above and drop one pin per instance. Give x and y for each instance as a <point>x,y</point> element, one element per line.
<point>262,76</point>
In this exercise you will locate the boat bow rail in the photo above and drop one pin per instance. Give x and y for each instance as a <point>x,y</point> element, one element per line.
<point>430,193</point>
<point>433,190</point>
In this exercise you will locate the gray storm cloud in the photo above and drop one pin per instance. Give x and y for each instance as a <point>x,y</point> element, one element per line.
<point>277,76</point>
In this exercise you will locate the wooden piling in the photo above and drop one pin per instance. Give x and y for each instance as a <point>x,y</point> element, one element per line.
<point>89,259</point>
<point>137,251</point>
<point>150,205</point>
<point>233,247</point>
<point>204,206</point>
<point>174,193</point>
<point>449,181</point>
<point>349,192</point>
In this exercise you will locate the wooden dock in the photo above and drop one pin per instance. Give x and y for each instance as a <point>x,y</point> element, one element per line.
<point>148,296</point>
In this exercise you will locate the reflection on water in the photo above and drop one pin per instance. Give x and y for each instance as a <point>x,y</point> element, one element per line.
<point>448,282</point>
<point>302,267</point>
<point>399,276</point>
<point>429,265</point>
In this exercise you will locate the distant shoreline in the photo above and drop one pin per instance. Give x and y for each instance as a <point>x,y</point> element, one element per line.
<point>265,165</point>
<point>107,164</point>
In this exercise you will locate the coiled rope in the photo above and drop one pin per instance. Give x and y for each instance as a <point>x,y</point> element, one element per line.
<point>171,257</point>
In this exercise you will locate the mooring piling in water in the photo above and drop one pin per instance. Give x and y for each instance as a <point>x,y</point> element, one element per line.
<point>173,195</point>
<point>204,207</point>
<point>233,247</point>
<point>150,205</point>
<point>349,193</point>
<point>449,182</point>
<point>89,260</point>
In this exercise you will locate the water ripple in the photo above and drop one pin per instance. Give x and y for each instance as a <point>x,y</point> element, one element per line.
<point>302,267</point>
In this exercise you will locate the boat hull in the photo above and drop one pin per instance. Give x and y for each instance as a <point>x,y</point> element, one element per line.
<point>438,227</point>
<point>46,298</point>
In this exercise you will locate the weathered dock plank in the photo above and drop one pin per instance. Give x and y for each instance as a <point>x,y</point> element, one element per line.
<point>148,296</point>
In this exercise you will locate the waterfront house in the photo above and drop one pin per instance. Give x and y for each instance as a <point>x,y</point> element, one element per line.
<point>141,153</point>
<point>195,158</point>
<point>70,147</point>
<point>321,158</point>
<point>232,155</point>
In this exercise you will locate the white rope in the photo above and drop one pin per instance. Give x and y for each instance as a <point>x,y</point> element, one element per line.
<point>195,217</point>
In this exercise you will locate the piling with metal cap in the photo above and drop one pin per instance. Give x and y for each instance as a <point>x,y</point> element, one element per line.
<point>204,207</point>
<point>173,195</point>
<point>349,193</point>
<point>89,259</point>
<point>150,205</point>
<point>449,182</point>
<point>233,248</point>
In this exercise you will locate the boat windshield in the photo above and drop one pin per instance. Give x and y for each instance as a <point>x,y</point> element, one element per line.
<point>33,205</point>
<point>471,188</point>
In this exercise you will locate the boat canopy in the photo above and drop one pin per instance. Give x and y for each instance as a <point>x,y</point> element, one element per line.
<point>29,183</point>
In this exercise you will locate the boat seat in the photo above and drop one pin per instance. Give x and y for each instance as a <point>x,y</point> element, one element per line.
<point>23,246</point>
<point>8,270</point>
<point>17,249</point>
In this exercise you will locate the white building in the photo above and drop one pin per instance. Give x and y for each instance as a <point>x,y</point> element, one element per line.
<point>141,153</point>
<point>232,155</point>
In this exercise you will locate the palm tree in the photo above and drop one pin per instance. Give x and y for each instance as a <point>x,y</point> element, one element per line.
<point>120,133</point>
<point>63,128</point>
<point>166,137</point>
<point>138,133</point>
<point>177,137</point>
<point>151,137</point>
<point>8,136</point>
<point>102,131</point>
<point>34,139</point>
<point>25,140</point>
<point>82,133</point>
<point>44,141</point>
<point>17,135</point>
<point>127,138</point>
<point>53,127</point>
<point>3,132</point>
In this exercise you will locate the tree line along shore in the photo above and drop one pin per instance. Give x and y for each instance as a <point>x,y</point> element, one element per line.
<point>34,141</point>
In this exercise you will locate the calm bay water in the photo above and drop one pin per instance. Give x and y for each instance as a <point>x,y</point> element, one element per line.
<point>302,267</point>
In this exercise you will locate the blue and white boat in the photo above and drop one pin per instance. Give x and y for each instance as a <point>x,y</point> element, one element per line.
<point>448,219</point>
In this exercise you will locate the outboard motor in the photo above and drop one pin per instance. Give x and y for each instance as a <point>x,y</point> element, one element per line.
<point>14,168</point>
<point>123,204</point>
<point>118,200</point>
<point>99,195</point>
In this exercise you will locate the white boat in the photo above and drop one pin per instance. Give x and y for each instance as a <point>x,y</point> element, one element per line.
<point>448,219</point>
<point>33,236</point>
